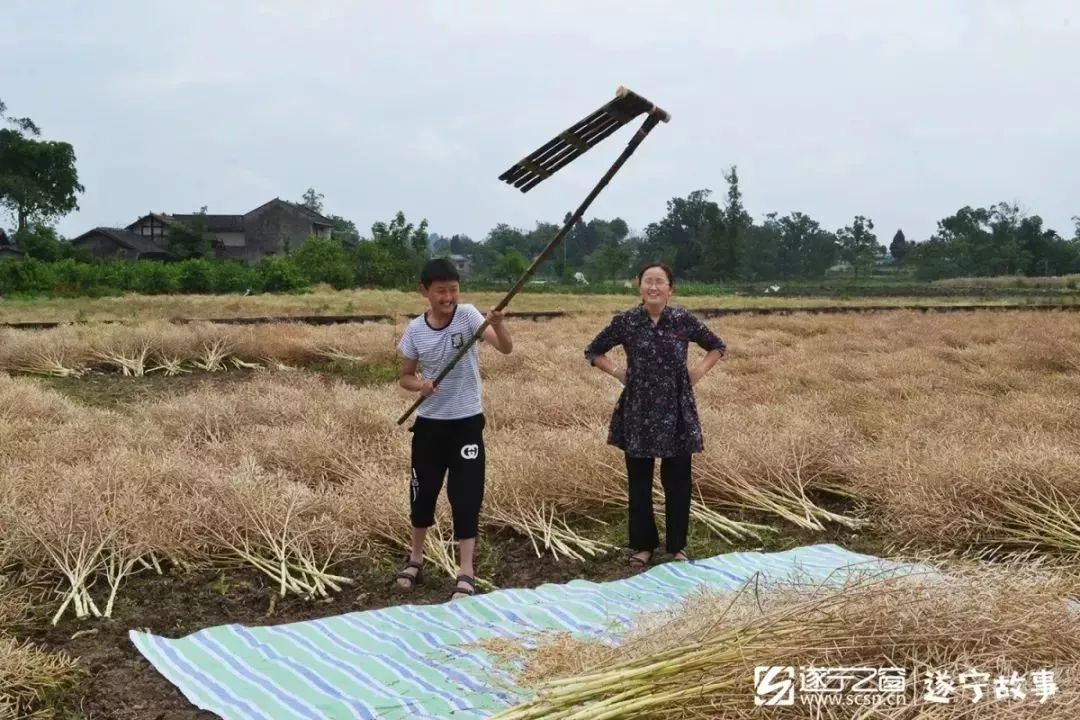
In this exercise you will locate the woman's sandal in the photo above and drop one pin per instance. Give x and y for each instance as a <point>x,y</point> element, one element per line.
<point>414,579</point>
<point>637,563</point>
<point>464,592</point>
<point>681,556</point>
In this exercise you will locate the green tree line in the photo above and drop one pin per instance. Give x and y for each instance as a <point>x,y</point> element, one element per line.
<point>707,241</point>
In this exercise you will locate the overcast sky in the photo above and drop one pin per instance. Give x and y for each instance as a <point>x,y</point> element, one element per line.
<point>903,111</point>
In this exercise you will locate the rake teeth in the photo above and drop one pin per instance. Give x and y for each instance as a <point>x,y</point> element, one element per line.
<point>578,139</point>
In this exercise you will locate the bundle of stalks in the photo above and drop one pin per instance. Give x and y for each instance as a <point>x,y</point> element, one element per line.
<point>161,346</point>
<point>323,424</point>
<point>58,351</point>
<point>64,526</point>
<point>283,529</point>
<point>543,485</point>
<point>969,492</point>
<point>27,675</point>
<point>552,402</point>
<point>151,502</point>
<point>131,350</point>
<point>773,460</point>
<point>699,661</point>
<point>209,416</point>
<point>81,438</point>
<point>520,508</point>
<point>369,344</point>
<point>26,411</point>
<point>174,351</point>
<point>103,521</point>
<point>23,400</point>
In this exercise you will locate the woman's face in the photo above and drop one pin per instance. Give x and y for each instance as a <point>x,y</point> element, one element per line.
<point>655,289</point>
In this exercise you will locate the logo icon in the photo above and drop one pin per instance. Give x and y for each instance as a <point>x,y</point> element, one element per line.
<point>415,485</point>
<point>774,685</point>
<point>470,452</point>
<point>457,340</point>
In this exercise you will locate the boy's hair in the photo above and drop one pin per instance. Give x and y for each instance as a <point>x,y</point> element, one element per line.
<point>438,269</point>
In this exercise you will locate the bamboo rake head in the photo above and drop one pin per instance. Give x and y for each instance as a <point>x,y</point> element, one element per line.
<point>579,138</point>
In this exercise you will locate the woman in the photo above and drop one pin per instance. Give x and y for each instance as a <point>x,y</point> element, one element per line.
<point>656,415</point>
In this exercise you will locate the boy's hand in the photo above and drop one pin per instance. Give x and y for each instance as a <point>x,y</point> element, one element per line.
<point>428,389</point>
<point>495,317</point>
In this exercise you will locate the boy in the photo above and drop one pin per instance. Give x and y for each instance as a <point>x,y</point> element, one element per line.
<point>448,433</point>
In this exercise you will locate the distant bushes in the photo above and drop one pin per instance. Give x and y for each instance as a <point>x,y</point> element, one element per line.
<point>149,277</point>
<point>317,260</point>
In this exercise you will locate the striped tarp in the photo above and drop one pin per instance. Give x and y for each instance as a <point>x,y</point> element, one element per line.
<point>414,661</point>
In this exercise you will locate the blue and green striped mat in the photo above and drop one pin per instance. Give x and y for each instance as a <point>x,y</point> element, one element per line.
<point>413,661</point>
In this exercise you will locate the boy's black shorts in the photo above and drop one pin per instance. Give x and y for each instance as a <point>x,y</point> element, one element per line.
<point>454,447</point>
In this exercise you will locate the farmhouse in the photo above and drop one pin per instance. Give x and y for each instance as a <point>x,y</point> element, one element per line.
<point>463,263</point>
<point>270,229</point>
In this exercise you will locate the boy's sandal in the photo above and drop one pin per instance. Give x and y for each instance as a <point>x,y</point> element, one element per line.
<point>469,591</point>
<point>404,574</point>
<point>637,563</point>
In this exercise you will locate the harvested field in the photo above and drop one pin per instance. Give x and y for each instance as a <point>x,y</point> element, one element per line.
<point>174,476</point>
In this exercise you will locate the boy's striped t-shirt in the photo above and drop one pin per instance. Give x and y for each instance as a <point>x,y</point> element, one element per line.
<point>458,394</point>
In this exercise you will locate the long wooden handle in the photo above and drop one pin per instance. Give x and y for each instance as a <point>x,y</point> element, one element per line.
<point>647,126</point>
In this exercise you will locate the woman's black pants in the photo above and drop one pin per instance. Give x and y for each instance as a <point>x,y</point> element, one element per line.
<point>675,479</point>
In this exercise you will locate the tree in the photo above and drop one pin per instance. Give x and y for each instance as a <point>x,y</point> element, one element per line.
<point>511,265</point>
<point>324,260</point>
<point>761,250</point>
<point>502,237</point>
<point>1047,252</point>
<point>313,200</point>
<point>859,245</point>
<point>680,239</point>
<point>394,255</point>
<point>190,240</point>
<point>726,257</point>
<point>25,124</point>
<point>805,249</point>
<point>899,246</point>
<point>401,235</point>
<point>461,244</point>
<point>610,262</point>
<point>38,178</point>
<point>40,242</point>
<point>196,276</point>
<point>344,230</point>
<point>440,246</point>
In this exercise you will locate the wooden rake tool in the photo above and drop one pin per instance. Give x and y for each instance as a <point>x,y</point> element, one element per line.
<point>551,157</point>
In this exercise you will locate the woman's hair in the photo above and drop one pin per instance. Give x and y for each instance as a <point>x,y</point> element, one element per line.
<point>663,266</point>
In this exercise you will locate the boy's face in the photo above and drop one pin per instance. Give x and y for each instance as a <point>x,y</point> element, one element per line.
<point>442,295</point>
